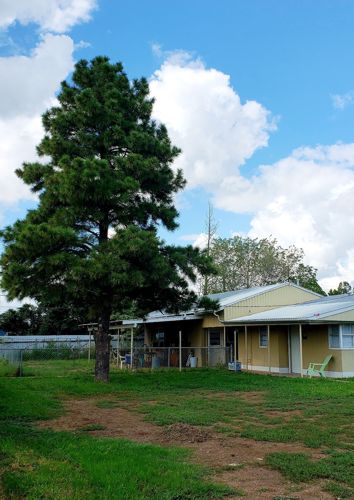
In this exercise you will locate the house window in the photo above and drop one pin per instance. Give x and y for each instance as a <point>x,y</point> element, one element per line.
<point>347,337</point>
<point>341,336</point>
<point>334,337</point>
<point>263,336</point>
<point>214,337</point>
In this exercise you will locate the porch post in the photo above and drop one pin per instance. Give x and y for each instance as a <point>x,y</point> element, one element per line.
<point>235,357</point>
<point>89,350</point>
<point>268,334</point>
<point>131,347</point>
<point>246,347</point>
<point>180,349</point>
<point>225,353</point>
<point>118,346</point>
<point>300,346</point>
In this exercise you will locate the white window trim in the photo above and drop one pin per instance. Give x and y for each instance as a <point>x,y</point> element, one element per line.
<point>259,339</point>
<point>341,347</point>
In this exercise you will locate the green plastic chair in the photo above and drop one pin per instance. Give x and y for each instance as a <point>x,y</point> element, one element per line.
<point>314,370</point>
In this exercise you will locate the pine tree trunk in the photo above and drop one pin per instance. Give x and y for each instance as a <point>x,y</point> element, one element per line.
<point>103,346</point>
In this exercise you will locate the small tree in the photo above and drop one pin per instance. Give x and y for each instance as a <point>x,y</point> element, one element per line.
<point>210,228</point>
<point>104,187</point>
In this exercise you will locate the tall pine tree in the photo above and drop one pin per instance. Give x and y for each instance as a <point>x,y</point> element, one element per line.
<point>104,187</point>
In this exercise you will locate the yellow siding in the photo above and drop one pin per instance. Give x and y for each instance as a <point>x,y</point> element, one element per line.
<point>348,360</point>
<point>211,321</point>
<point>258,356</point>
<point>345,316</point>
<point>315,348</point>
<point>197,336</point>
<point>283,296</point>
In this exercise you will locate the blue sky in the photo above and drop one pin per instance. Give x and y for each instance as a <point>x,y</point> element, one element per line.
<point>286,159</point>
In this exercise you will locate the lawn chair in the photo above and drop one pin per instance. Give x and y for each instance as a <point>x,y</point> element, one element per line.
<point>319,368</point>
<point>117,358</point>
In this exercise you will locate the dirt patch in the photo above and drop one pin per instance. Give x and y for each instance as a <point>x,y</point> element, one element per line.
<point>238,462</point>
<point>117,422</point>
<point>184,433</point>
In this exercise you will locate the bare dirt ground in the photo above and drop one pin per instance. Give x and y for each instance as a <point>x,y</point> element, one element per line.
<point>237,462</point>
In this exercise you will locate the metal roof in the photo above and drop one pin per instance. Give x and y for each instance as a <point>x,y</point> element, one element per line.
<point>313,311</point>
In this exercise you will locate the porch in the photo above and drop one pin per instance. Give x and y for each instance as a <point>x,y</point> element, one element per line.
<point>286,349</point>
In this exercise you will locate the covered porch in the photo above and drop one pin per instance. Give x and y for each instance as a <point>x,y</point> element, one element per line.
<point>286,348</point>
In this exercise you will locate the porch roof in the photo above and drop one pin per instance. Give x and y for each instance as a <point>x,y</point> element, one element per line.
<point>316,311</point>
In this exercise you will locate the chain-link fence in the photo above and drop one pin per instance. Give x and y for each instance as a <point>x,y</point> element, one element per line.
<point>58,358</point>
<point>46,357</point>
<point>172,357</point>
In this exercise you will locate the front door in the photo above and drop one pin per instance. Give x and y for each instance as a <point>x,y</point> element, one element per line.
<point>216,352</point>
<point>295,349</point>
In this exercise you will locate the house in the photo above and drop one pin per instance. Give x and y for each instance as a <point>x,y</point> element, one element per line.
<point>278,328</point>
<point>286,339</point>
<point>214,337</point>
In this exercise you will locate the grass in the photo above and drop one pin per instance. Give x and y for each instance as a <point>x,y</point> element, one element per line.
<point>317,413</point>
<point>298,467</point>
<point>7,369</point>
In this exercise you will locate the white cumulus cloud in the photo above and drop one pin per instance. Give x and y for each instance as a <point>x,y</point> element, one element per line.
<point>51,15</point>
<point>305,199</point>
<point>206,119</point>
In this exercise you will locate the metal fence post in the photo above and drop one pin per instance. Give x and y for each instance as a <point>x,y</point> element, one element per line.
<point>21,364</point>
<point>180,349</point>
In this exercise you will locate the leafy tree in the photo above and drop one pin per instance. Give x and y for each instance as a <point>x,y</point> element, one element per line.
<point>104,187</point>
<point>22,321</point>
<point>32,319</point>
<point>243,262</point>
<point>343,287</point>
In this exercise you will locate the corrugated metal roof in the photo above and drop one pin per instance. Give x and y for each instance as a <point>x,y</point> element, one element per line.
<point>232,297</point>
<point>313,311</point>
<point>171,317</point>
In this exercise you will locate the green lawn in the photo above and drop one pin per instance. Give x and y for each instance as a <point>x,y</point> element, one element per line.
<point>46,464</point>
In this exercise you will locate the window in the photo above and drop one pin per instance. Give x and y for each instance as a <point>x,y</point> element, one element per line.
<point>347,337</point>
<point>214,337</point>
<point>334,337</point>
<point>263,336</point>
<point>341,336</point>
